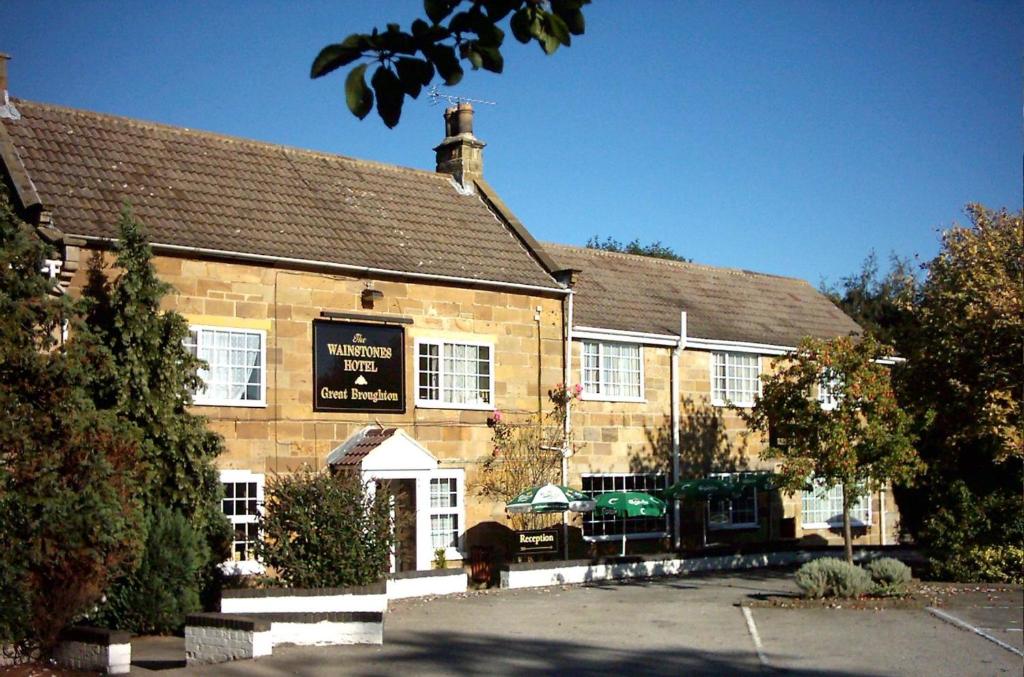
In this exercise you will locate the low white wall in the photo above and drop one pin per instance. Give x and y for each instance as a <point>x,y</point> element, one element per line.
<point>551,573</point>
<point>220,645</point>
<point>327,632</point>
<point>327,603</point>
<point>115,659</point>
<point>423,586</point>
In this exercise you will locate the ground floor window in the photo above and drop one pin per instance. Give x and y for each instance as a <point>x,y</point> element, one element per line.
<point>242,502</point>
<point>600,526</point>
<point>733,512</point>
<point>447,512</point>
<point>822,508</point>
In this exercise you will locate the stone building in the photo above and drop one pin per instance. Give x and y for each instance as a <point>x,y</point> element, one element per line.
<point>374,316</point>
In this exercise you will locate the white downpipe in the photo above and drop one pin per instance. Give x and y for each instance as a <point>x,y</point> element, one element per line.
<point>881,512</point>
<point>566,379</point>
<point>677,356</point>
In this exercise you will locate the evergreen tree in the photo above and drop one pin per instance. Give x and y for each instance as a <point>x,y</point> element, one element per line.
<point>150,386</point>
<point>69,511</point>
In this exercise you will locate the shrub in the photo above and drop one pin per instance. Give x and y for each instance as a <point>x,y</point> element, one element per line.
<point>156,597</point>
<point>988,564</point>
<point>891,576</point>
<point>829,577</point>
<point>321,530</point>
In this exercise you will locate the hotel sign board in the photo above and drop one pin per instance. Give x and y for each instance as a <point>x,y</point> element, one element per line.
<point>537,542</point>
<point>358,367</point>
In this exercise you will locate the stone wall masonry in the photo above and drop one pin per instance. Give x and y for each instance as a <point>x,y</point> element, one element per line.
<point>83,648</point>
<point>217,638</point>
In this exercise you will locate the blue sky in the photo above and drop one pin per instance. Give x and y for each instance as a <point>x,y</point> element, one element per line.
<point>789,138</point>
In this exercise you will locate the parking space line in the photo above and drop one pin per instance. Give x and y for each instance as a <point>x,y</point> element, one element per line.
<point>950,618</point>
<point>754,636</point>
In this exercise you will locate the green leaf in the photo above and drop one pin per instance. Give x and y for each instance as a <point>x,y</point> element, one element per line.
<point>569,11</point>
<point>390,95</point>
<point>491,58</point>
<point>520,25</point>
<point>470,52</point>
<point>414,75</point>
<point>332,57</point>
<point>437,9</point>
<point>357,95</point>
<point>555,27</point>
<point>447,65</point>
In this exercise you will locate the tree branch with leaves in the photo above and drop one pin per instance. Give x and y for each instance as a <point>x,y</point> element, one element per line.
<point>861,441</point>
<point>407,61</point>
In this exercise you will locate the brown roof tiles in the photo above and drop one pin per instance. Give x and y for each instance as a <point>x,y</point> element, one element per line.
<point>196,189</point>
<point>643,294</point>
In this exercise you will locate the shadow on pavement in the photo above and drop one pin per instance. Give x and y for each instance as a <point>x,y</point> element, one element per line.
<point>427,652</point>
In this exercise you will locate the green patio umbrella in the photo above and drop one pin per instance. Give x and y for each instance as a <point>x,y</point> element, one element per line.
<point>720,487</point>
<point>550,498</point>
<point>630,504</point>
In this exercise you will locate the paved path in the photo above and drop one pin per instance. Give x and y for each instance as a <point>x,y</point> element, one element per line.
<point>680,626</point>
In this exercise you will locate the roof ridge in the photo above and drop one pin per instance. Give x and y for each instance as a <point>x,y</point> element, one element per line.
<point>590,251</point>
<point>220,136</point>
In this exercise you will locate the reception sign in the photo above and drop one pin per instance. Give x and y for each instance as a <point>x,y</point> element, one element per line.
<point>358,367</point>
<point>537,542</point>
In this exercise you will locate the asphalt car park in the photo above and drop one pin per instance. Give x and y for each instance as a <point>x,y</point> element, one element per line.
<point>675,626</point>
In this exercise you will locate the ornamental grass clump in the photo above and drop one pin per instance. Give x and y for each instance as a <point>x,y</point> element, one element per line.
<point>890,576</point>
<point>829,577</point>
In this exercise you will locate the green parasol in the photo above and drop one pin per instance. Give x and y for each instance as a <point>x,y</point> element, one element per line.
<point>550,498</point>
<point>630,504</point>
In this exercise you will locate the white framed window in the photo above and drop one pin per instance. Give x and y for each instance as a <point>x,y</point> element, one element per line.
<point>447,512</point>
<point>612,371</point>
<point>604,526</point>
<point>236,365</point>
<point>454,374</point>
<point>822,508</point>
<point>732,512</point>
<point>828,390</point>
<point>242,503</point>
<point>735,378</point>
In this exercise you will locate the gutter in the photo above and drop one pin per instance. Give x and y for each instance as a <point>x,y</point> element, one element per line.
<point>677,352</point>
<point>344,267</point>
<point>566,378</point>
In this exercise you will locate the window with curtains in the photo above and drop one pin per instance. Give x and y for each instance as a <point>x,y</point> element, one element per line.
<point>235,372</point>
<point>446,513</point>
<point>822,508</point>
<point>734,378</point>
<point>456,375</point>
<point>242,502</point>
<point>612,371</point>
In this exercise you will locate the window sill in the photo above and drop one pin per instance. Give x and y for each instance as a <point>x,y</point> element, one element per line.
<point>452,405</point>
<point>252,404</point>
<point>854,524</point>
<point>596,397</point>
<point>629,537</point>
<point>242,568</point>
<point>723,403</point>
<point>733,527</point>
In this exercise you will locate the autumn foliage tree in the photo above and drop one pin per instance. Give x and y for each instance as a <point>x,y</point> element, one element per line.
<point>862,441</point>
<point>69,505</point>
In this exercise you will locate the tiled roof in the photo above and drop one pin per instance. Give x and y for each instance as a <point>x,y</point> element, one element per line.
<point>198,189</point>
<point>370,440</point>
<point>644,294</point>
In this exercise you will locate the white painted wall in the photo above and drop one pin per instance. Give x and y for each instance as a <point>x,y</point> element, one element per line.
<point>327,632</point>
<point>114,659</point>
<point>220,645</point>
<point>304,604</point>
<point>401,588</point>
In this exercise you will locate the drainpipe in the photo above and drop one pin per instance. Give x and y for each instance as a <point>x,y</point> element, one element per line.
<point>676,358</point>
<point>566,379</point>
<point>881,511</point>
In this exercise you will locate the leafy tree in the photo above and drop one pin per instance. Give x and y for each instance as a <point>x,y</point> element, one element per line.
<point>964,380</point>
<point>408,60</point>
<point>527,454</point>
<point>885,305</point>
<point>865,440</point>
<point>150,387</point>
<point>322,530</point>
<point>655,249</point>
<point>68,492</point>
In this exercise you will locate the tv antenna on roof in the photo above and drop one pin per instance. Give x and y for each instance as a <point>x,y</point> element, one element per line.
<point>436,96</point>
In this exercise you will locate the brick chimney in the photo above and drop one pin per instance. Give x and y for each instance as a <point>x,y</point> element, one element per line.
<point>460,153</point>
<point>7,109</point>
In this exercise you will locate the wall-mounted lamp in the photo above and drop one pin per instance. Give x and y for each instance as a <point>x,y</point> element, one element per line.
<point>369,296</point>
